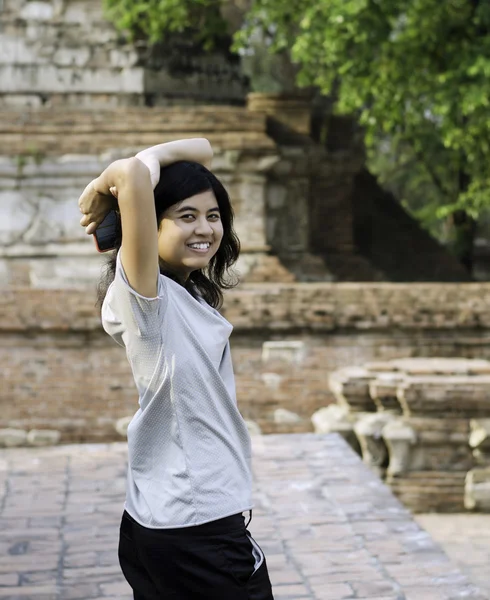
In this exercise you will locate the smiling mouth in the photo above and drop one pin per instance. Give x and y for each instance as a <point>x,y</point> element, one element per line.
<point>200,247</point>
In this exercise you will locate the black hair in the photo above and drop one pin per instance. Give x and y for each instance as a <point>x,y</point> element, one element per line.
<point>179,181</point>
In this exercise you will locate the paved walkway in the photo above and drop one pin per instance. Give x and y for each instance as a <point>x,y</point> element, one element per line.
<point>466,540</point>
<point>330,529</point>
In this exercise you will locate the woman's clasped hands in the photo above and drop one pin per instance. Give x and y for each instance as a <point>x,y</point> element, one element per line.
<point>99,198</point>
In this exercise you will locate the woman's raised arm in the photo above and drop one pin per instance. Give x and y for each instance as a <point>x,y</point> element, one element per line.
<point>139,250</point>
<point>195,149</point>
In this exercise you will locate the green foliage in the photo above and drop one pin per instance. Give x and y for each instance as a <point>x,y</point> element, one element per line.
<point>416,72</point>
<point>155,20</point>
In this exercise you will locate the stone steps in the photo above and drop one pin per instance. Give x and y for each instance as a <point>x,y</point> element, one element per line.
<point>92,132</point>
<point>142,118</point>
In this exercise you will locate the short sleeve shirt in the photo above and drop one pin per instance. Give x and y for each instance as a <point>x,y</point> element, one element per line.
<point>189,450</point>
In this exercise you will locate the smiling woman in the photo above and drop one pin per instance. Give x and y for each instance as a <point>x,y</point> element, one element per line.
<point>196,228</point>
<point>189,450</point>
<point>191,206</point>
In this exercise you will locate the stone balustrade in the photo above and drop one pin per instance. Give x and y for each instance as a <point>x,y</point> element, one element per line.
<point>429,436</point>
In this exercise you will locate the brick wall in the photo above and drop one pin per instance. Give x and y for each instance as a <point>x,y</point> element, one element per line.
<point>61,371</point>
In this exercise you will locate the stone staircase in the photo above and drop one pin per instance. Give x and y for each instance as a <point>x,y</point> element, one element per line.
<point>47,132</point>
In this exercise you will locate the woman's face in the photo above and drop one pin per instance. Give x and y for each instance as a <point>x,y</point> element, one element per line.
<point>190,234</point>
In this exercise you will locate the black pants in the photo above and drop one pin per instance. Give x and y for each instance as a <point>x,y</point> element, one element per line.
<point>214,561</point>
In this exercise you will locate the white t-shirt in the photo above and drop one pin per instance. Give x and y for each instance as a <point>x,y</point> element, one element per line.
<point>189,450</point>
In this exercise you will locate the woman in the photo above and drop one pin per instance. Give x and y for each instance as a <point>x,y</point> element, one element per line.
<point>182,533</point>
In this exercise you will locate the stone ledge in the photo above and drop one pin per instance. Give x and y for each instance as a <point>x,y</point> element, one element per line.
<point>53,133</point>
<point>284,307</point>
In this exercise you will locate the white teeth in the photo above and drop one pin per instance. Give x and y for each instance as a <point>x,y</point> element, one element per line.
<point>200,246</point>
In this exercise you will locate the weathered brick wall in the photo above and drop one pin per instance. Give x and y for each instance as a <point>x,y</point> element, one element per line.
<point>61,371</point>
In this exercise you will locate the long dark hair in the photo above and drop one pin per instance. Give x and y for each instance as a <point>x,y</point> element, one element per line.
<point>179,181</point>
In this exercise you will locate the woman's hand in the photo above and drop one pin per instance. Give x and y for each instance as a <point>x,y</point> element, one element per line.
<point>94,206</point>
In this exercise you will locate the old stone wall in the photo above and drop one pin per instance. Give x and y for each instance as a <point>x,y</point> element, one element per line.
<point>60,370</point>
<point>65,53</point>
<point>49,157</point>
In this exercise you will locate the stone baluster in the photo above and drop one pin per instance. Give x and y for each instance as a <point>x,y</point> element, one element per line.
<point>400,439</point>
<point>383,391</point>
<point>368,429</point>
<point>477,483</point>
<point>337,419</point>
<point>350,386</point>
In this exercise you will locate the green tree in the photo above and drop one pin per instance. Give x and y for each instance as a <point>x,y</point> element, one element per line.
<point>417,74</point>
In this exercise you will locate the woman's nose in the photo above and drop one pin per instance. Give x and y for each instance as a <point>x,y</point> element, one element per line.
<point>203,226</point>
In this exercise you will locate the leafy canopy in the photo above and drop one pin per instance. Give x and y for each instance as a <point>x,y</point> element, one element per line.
<point>417,72</point>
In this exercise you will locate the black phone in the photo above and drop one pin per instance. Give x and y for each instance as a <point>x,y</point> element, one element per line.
<point>105,235</point>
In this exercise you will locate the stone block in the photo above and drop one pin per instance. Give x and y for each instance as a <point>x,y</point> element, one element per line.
<point>122,425</point>
<point>440,444</point>
<point>12,437</point>
<point>272,381</point>
<point>259,267</point>
<point>253,427</point>
<point>430,491</point>
<point>399,438</point>
<point>49,79</point>
<point>126,57</point>
<point>368,429</point>
<point>379,366</point>
<point>282,415</point>
<point>67,272</point>
<point>383,391</point>
<point>482,459</point>
<point>480,434</point>
<point>477,490</point>
<point>290,352</point>
<point>21,101</point>
<point>72,57</point>
<point>337,419</point>
<point>350,386</point>
<point>454,395</point>
<point>37,11</point>
<point>442,366</point>
<point>43,437</point>
<point>16,215</point>
<point>15,50</point>
<point>5,275</point>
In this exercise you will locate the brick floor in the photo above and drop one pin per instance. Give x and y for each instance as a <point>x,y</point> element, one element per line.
<point>466,540</point>
<point>330,529</point>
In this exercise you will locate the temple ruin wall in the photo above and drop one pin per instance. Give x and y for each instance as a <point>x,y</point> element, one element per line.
<point>61,371</point>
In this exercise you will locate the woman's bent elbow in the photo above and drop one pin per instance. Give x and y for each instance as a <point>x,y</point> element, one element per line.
<point>132,172</point>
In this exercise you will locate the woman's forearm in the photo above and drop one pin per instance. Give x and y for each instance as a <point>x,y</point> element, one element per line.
<point>195,149</point>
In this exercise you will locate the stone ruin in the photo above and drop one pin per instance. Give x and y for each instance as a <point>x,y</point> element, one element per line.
<point>422,424</point>
<point>76,95</point>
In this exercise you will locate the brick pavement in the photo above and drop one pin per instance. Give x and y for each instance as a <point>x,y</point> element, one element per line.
<point>466,540</point>
<point>330,529</point>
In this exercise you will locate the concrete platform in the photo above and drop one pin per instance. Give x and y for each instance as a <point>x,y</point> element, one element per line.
<point>330,529</point>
